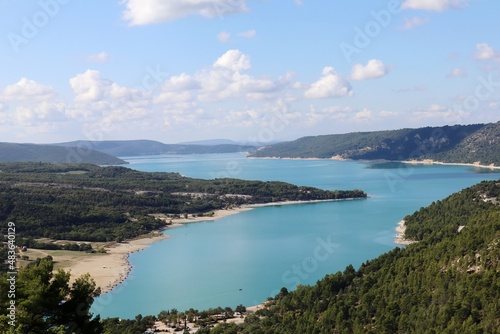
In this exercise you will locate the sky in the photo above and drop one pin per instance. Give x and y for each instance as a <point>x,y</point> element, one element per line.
<point>254,71</point>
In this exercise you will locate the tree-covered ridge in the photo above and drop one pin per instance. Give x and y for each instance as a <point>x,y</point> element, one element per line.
<point>457,144</point>
<point>449,282</point>
<point>482,145</point>
<point>87,202</point>
<point>123,148</point>
<point>10,152</point>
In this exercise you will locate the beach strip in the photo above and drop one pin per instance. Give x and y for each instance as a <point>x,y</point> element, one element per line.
<point>111,269</point>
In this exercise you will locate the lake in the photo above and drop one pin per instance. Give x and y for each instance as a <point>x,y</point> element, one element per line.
<point>248,257</point>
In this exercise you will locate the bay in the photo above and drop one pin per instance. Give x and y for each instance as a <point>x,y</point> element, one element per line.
<point>248,257</point>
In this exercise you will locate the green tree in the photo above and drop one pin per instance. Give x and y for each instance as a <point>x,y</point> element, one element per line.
<point>46,303</point>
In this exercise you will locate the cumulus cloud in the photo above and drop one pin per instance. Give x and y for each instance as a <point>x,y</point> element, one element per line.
<point>185,96</point>
<point>233,60</point>
<point>434,5</point>
<point>330,85</point>
<point>410,23</point>
<point>144,12</point>
<point>457,73</point>
<point>372,70</point>
<point>28,103</point>
<point>485,52</point>
<point>96,97</point>
<point>27,90</point>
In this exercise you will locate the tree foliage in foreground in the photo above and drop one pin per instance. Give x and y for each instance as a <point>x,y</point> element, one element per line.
<point>45,302</point>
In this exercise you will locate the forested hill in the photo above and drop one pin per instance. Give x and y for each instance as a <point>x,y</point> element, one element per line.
<point>10,152</point>
<point>91,203</point>
<point>448,282</point>
<point>457,144</point>
<point>123,148</point>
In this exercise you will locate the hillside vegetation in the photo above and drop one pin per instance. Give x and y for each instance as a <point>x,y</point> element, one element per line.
<point>448,282</point>
<point>123,148</point>
<point>454,144</point>
<point>91,203</point>
<point>10,152</point>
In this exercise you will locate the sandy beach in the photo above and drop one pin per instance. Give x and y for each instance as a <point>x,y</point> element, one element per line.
<point>432,162</point>
<point>400,239</point>
<point>110,269</point>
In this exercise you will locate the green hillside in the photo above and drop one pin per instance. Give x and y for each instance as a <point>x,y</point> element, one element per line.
<point>458,144</point>
<point>91,203</point>
<point>448,282</point>
<point>10,152</point>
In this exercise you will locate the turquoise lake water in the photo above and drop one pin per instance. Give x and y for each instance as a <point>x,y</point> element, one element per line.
<point>247,257</point>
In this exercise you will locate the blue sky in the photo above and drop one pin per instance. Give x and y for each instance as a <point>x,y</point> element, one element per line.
<point>247,70</point>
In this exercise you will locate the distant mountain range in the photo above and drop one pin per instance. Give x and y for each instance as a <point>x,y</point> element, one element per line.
<point>107,152</point>
<point>123,148</point>
<point>10,152</point>
<point>478,143</point>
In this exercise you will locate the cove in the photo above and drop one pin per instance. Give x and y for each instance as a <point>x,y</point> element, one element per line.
<point>248,257</point>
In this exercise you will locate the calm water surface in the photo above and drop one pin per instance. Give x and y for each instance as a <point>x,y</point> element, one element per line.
<point>248,257</point>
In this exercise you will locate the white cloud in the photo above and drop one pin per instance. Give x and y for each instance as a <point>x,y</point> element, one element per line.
<point>233,60</point>
<point>144,12</point>
<point>27,90</point>
<point>329,85</point>
<point>373,69</point>
<point>227,80</point>
<point>364,115</point>
<point>100,57</point>
<point>485,52</point>
<point>441,113</point>
<point>248,34</point>
<point>457,73</point>
<point>28,104</point>
<point>434,5</point>
<point>413,23</point>
<point>224,36</point>
<point>98,98</point>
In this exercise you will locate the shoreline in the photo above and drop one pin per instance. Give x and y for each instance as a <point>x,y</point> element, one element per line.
<point>432,162</point>
<point>399,238</point>
<point>411,162</point>
<point>113,268</point>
